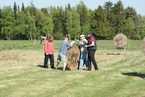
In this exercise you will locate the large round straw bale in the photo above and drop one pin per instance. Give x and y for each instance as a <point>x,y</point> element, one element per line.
<point>120,41</point>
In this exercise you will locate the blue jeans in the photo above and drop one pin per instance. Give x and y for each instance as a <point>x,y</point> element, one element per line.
<point>83,60</point>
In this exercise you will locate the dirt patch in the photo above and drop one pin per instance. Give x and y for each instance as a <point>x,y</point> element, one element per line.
<point>19,55</point>
<point>9,56</point>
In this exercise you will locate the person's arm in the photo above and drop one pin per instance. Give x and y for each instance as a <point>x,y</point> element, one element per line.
<point>44,46</point>
<point>53,48</point>
<point>85,40</point>
<point>68,45</point>
<point>92,44</point>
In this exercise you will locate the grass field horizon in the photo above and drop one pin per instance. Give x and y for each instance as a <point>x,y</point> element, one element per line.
<point>118,76</point>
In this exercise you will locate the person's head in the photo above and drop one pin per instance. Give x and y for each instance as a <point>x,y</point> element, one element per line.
<point>82,37</point>
<point>49,37</point>
<point>66,37</point>
<point>89,35</point>
<point>92,35</point>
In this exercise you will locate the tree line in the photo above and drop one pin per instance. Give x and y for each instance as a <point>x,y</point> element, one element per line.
<point>29,22</point>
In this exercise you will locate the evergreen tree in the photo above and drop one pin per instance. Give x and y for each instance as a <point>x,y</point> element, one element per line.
<point>20,26</point>
<point>108,7</point>
<point>84,17</point>
<point>73,23</point>
<point>103,28</point>
<point>7,22</point>
<point>58,21</point>
<point>30,27</point>
<point>119,17</point>
<point>15,10</point>
<point>129,28</point>
<point>44,24</point>
<point>1,24</point>
<point>23,7</point>
<point>76,28</point>
<point>140,28</point>
<point>106,21</point>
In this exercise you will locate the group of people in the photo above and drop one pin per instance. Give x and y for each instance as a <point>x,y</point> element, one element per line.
<point>87,48</point>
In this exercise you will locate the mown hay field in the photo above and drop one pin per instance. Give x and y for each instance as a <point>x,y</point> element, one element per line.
<point>121,72</point>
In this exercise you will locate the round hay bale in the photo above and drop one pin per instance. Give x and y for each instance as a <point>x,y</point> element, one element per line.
<point>120,41</point>
<point>73,57</point>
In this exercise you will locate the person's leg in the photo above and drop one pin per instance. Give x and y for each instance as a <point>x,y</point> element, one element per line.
<point>51,61</point>
<point>64,66</point>
<point>64,59</point>
<point>92,55</point>
<point>46,61</point>
<point>85,60</point>
<point>89,65</point>
<point>58,61</point>
<point>81,61</point>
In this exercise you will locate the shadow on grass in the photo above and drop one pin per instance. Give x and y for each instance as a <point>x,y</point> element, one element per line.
<point>135,74</point>
<point>41,66</point>
<point>59,68</point>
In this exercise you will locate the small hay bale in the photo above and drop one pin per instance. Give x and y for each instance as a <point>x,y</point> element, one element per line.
<point>120,41</point>
<point>73,57</point>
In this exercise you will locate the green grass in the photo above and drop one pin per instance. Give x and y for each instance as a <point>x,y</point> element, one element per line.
<point>23,44</point>
<point>118,75</point>
<point>101,44</point>
<point>109,45</point>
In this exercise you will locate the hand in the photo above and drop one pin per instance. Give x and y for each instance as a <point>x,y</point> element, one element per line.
<point>82,49</point>
<point>86,46</point>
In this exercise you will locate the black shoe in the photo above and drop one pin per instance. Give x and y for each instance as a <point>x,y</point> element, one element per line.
<point>96,69</point>
<point>52,67</point>
<point>45,66</point>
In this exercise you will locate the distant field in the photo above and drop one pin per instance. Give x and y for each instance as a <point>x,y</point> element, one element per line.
<point>118,76</point>
<point>101,44</point>
<point>23,44</point>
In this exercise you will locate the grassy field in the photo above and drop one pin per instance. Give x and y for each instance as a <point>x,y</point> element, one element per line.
<point>36,45</point>
<point>118,76</point>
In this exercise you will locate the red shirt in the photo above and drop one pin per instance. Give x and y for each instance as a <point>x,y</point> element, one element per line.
<point>48,47</point>
<point>91,39</point>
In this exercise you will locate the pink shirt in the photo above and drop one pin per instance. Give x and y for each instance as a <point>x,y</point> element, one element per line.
<point>48,47</point>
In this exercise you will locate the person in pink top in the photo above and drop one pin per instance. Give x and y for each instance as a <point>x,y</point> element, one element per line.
<point>48,51</point>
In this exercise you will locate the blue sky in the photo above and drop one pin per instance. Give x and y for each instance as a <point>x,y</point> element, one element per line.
<point>139,5</point>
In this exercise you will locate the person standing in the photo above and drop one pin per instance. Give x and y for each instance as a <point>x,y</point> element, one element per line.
<point>48,51</point>
<point>83,52</point>
<point>91,51</point>
<point>62,56</point>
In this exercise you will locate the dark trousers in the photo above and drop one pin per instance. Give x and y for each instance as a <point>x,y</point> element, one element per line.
<point>91,60</point>
<point>51,57</point>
